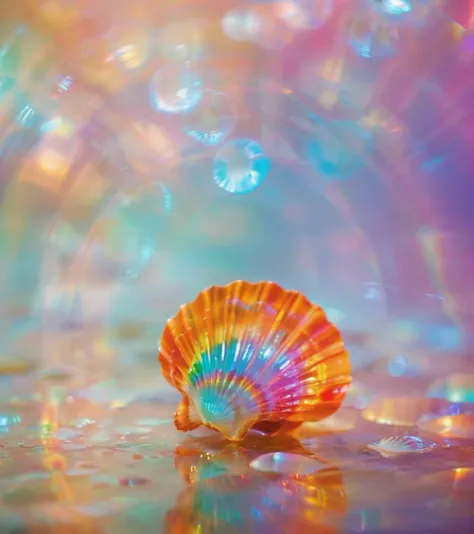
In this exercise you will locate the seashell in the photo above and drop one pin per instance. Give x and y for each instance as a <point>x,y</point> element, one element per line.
<point>253,356</point>
<point>396,446</point>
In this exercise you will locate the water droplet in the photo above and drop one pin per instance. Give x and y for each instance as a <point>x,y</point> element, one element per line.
<point>286,464</point>
<point>396,446</point>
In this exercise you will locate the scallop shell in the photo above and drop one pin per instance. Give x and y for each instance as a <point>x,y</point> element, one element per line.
<point>401,445</point>
<point>253,355</point>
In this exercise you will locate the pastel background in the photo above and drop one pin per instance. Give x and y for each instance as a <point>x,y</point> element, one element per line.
<point>150,149</point>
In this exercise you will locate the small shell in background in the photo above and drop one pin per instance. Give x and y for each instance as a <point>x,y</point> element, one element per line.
<point>402,445</point>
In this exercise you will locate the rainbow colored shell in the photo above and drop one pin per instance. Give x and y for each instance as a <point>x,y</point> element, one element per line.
<point>253,355</point>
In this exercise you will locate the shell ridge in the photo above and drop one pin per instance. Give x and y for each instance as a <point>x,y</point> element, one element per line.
<point>292,338</point>
<point>314,391</point>
<point>261,293</point>
<point>211,304</point>
<point>230,327</point>
<point>186,418</point>
<point>288,308</point>
<point>260,290</point>
<point>166,358</point>
<point>205,357</point>
<point>308,372</point>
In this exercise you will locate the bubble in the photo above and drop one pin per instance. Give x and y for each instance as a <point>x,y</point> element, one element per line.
<point>371,39</point>
<point>305,14</point>
<point>396,446</point>
<point>415,12</point>
<point>125,237</point>
<point>338,148</point>
<point>240,166</point>
<point>391,7</point>
<point>241,24</point>
<point>449,426</point>
<point>175,90</point>
<point>286,463</point>
<point>212,120</point>
<point>402,411</point>
<point>454,388</point>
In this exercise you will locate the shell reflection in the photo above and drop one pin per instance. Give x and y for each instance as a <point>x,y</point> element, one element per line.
<point>285,463</point>
<point>251,502</point>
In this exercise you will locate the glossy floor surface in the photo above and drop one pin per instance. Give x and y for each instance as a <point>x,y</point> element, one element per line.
<point>150,149</point>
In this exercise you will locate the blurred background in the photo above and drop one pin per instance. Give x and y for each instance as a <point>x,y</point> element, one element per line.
<point>150,149</point>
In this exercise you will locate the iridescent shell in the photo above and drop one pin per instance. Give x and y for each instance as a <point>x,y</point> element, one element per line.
<point>253,355</point>
<point>402,445</point>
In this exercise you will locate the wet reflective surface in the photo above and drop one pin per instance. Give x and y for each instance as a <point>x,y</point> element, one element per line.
<point>109,459</point>
<point>149,150</point>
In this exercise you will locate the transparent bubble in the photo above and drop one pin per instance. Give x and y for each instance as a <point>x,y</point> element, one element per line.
<point>286,463</point>
<point>416,12</point>
<point>175,90</point>
<point>122,240</point>
<point>391,7</point>
<point>305,14</point>
<point>396,446</point>
<point>371,39</point>
<point>212,120</point>
<point>240,166</point>
<point>242,24</point>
